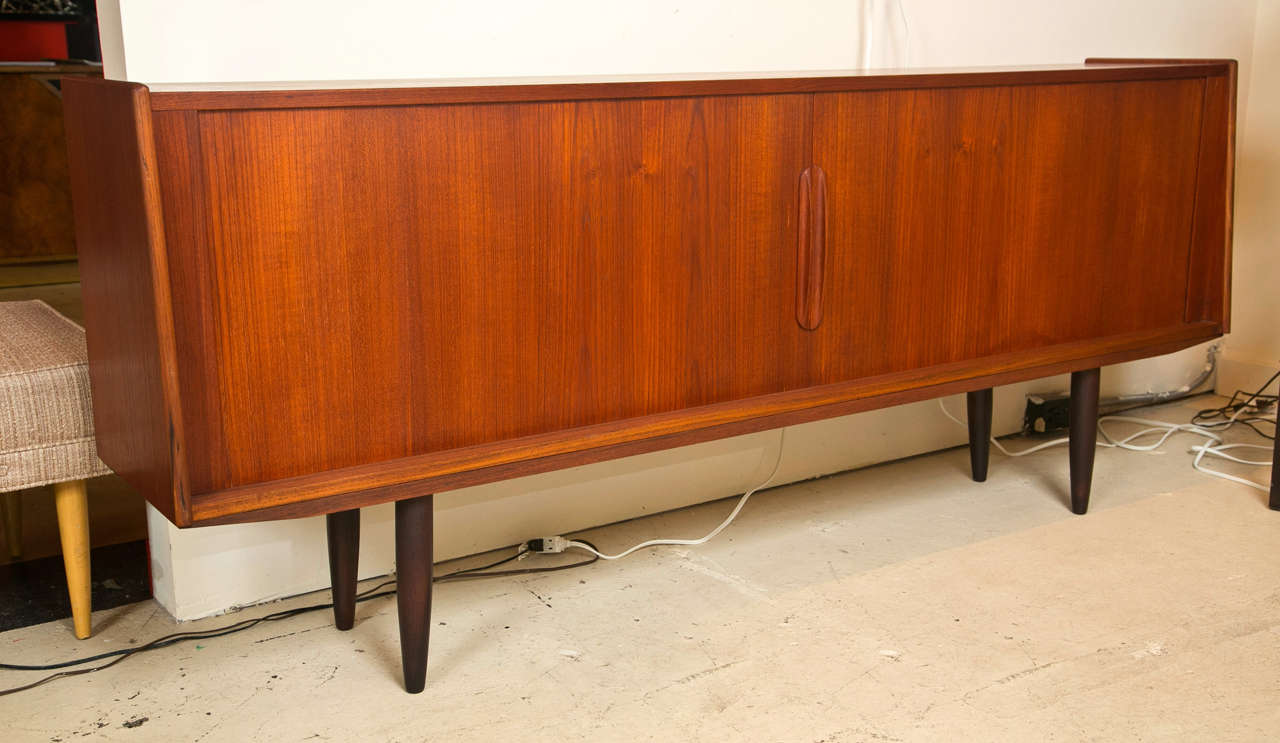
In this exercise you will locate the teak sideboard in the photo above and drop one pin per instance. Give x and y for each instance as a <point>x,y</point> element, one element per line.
<point>304,301</point>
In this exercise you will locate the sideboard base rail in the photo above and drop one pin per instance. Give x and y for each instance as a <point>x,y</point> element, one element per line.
<point>366,485</point>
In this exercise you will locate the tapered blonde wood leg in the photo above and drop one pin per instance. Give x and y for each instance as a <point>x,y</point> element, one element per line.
<point>13,522</point>
<point>72,502</point>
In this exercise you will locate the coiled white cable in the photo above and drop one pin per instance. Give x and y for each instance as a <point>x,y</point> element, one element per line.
<point>1218,451</point>
<point>1213,447</point>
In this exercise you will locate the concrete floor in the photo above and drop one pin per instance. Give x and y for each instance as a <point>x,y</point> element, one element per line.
<point>900,602</point>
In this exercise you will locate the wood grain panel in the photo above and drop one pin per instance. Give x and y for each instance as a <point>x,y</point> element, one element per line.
<point>968,222</point>
<point>125,287</point>
<point>390,282</point>
<point>1209,269</point>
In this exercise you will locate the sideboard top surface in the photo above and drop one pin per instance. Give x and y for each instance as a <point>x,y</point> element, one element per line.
<point>304,94</point>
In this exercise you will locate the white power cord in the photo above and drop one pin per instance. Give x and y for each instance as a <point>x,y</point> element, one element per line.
<point>1218,451</point>
<point>1210,366</point>
<point>691,542</point>
<point>1216,448</point>
<point>1032,450</point>
<point>1213,447</point>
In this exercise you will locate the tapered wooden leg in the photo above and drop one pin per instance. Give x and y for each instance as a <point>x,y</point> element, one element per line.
<point>13,522</point>
<point>979,432</point>
<point>344,563</point>
<point>1275,476</point>
<point>72,503</point>
<point>1083,435</point>
<point>413,587</point>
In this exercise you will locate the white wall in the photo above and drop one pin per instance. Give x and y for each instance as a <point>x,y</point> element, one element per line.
<point>204,571</point>
<point>1253,351</point>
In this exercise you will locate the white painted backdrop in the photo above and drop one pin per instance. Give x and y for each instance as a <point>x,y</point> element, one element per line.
<point>205,571</point>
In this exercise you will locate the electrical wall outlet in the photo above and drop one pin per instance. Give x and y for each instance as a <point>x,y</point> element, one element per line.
<point>547,545</point>
<point>1046,413</point>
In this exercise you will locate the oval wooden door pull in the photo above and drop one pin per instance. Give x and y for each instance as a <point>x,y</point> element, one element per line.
<point>811,247</point>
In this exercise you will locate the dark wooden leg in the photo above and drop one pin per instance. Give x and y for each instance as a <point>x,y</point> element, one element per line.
<point>344,556</point>
<point>1275,476</point>
<point>1083,435</point>
<point>413,587</point>
<point>979,433</point>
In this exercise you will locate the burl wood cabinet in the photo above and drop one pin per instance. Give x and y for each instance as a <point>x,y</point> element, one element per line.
<point>307,301</point>
<point>35,190</point>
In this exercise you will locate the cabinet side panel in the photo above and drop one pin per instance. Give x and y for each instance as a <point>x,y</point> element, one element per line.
<point>124,283</point>
<point>968,222</point>
<point>1209,276</point>
<point>389,282</point>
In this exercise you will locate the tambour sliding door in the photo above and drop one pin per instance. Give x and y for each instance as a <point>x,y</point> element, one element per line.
<point>400,280</point>
<point>967,222</point>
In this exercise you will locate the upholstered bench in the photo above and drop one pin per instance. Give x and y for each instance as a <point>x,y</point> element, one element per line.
<point>46,432</point>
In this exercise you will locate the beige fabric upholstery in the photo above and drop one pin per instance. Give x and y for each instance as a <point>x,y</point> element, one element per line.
<point>46,427</point>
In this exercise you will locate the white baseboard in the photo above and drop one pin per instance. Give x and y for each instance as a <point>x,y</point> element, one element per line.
<point>1240,372</point>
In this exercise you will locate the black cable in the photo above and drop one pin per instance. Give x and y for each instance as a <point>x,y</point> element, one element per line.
<point>1221,417</point>
<point>163,642</point>
<point>1249,422</point>
<point>465,573</point>
<point>468,575</point>
<point>177,637</point>
<point>519,553</point>
<point>58,675</point>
